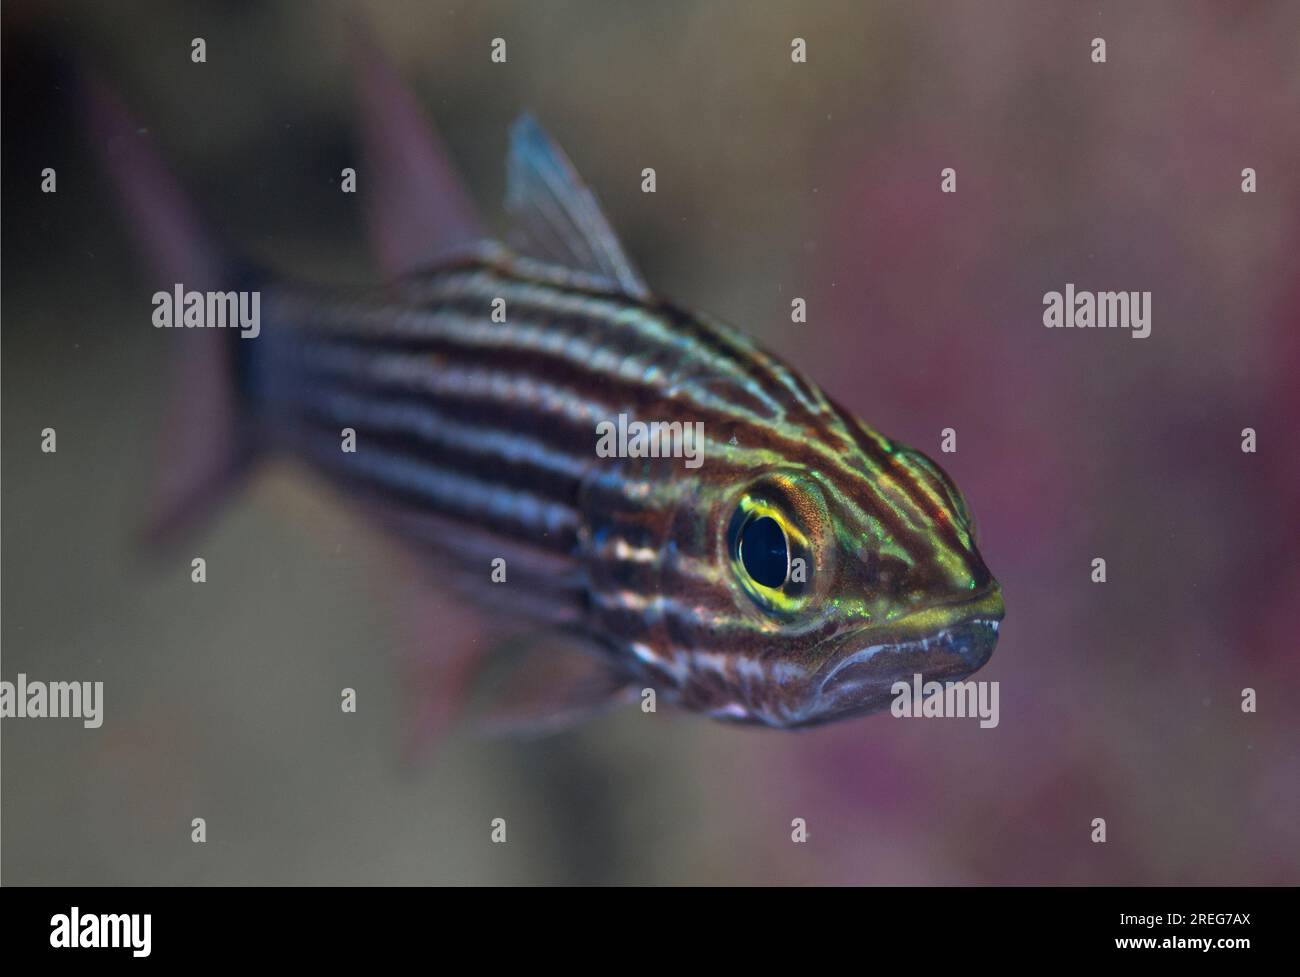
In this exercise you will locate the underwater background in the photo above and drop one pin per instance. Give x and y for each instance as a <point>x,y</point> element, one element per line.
<point>776,180</point>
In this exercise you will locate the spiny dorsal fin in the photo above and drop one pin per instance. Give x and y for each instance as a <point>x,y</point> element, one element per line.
<point>556,216</point>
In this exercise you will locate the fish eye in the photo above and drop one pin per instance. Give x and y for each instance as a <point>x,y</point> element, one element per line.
<point>764,552</point>
<point>771,554</point>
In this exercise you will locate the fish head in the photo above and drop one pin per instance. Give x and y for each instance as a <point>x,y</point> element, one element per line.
<point>855,577</point>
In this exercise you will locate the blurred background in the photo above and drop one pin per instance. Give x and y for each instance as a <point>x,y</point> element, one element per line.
<point>775,180</point>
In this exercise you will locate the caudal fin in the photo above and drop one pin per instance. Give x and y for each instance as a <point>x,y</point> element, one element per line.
<point>203,448</point>
<point>416,208</point>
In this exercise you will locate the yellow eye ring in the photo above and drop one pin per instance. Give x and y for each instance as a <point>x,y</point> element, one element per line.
<point>757,521</point>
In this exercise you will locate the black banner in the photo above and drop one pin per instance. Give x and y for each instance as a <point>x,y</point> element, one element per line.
<point>143,926</point>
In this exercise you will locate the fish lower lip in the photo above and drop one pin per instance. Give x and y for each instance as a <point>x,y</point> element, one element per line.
<point>951,653</point>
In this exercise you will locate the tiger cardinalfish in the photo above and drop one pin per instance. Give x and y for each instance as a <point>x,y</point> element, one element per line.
<point>805,566</point>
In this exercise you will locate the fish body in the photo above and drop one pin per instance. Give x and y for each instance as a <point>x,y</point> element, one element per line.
<point>790,578</point>
<point>476,440</point>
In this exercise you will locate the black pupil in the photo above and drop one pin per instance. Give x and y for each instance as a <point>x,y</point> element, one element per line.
<point>762,550</point>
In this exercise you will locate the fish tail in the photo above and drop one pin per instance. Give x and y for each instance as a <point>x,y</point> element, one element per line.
<point>204,447</point>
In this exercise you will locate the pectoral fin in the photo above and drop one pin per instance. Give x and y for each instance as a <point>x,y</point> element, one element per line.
<point>548,685</point>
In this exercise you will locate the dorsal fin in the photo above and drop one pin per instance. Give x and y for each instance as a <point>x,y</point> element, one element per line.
<point>556,217</point>
<point>416,207</point>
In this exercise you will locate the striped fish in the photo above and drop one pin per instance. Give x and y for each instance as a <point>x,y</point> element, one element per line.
<point>806,566</point>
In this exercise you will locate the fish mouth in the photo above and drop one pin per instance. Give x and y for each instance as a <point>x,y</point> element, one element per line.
<point>862,680</point>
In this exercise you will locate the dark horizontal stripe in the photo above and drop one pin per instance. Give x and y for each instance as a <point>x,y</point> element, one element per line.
<point>656,385</point>
<point>544,309</point>
<point>384,475</point>
<point>355,372</point>
<point>415,429</point>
